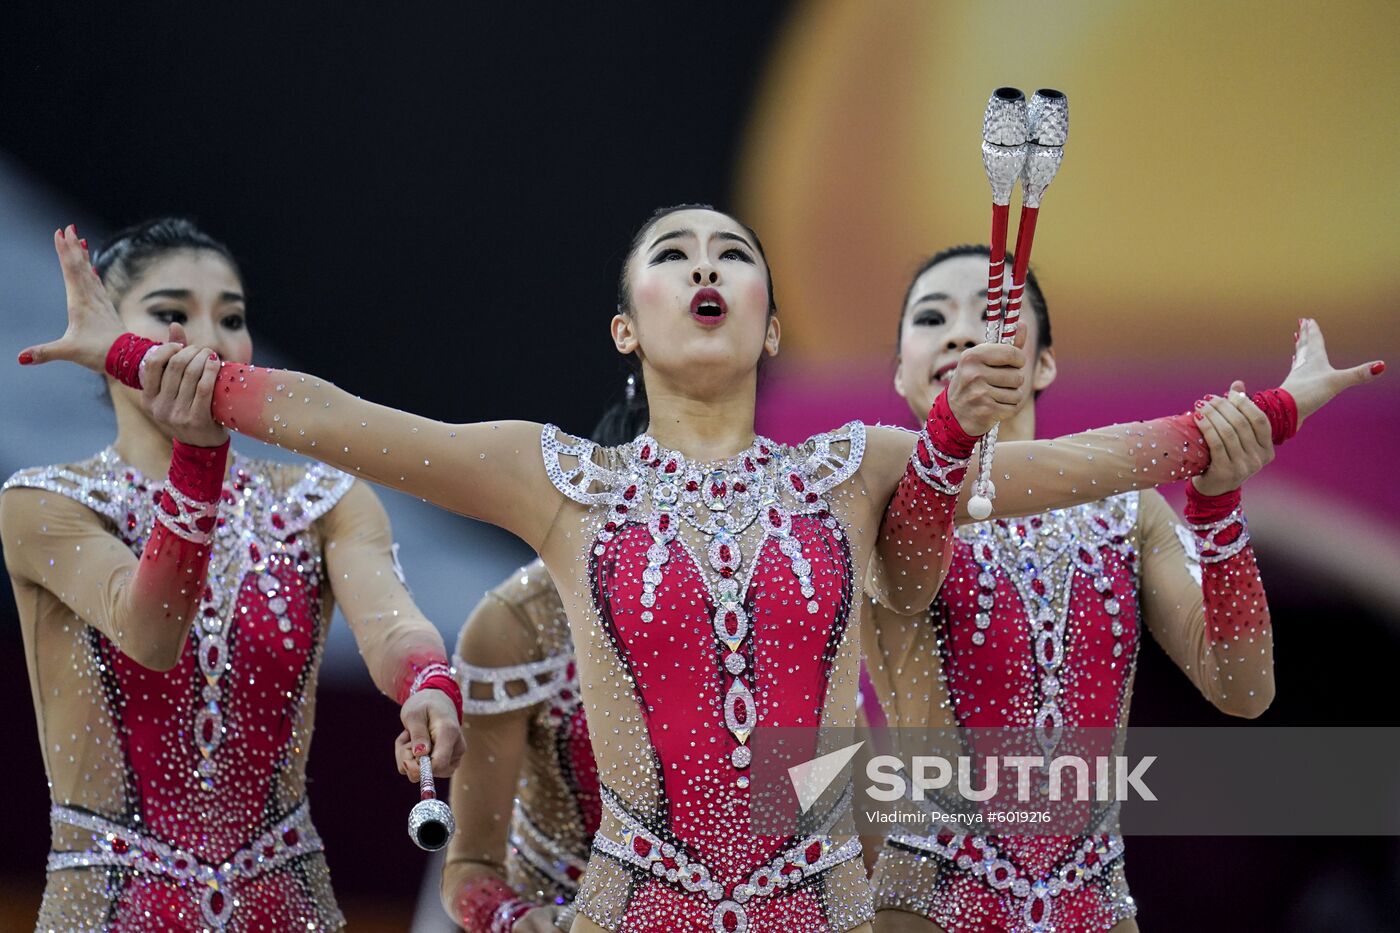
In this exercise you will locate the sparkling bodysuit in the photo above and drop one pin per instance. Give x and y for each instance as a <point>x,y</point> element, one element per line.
<point>721,596</point>
<point>707,599</point>
<point>179,796</point>
<point>1037,628</point>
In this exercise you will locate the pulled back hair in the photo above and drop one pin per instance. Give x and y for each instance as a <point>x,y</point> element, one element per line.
<point>128,253</point>
<point>1034,296</point>
<point>628,418</point>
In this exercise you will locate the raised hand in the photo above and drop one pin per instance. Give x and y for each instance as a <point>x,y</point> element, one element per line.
<point>1239,437</point>
<point>989,384</point>
<point>1312,381</point>
<point>92,319</point>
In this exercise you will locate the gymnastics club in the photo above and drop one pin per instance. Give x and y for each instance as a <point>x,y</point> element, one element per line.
<point>1048,116</point>
<point>430,822</point>
<point>1005,129</point>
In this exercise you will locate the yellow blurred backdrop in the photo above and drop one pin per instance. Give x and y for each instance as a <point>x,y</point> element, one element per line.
<point>1230,166</point>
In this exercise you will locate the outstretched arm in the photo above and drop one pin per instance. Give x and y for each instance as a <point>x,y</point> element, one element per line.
<point>1038,476</point>
<point>491,471</point>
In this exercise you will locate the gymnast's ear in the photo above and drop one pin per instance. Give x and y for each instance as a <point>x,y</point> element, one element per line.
<point>624,333</point>
<point>1045,369</point>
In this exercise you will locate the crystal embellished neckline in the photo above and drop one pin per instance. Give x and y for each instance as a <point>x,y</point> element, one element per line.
<point>718,498</point>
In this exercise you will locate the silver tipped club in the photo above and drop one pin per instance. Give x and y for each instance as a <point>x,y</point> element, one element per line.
<point>1048,117</point>
<point>1005,130</point>
<point>430,822</point>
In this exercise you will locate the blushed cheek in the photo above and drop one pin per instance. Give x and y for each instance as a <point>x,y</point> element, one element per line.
<point>756,293</point>
<point>650,293</point>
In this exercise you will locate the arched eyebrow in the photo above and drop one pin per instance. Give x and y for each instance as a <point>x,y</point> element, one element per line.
<point>673,235</point>
<point>184,294</point>
<point>680,234</point>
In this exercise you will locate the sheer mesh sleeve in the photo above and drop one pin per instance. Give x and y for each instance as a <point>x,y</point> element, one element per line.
<point>489,471</point>
<point>474,887</point>
<point>144,606</point>
<point>1204,603</point>
<point>1030,477</point>
<point>1040,476</point>
<point>393,636</point>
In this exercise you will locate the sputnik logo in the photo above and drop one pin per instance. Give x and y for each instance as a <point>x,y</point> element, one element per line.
<point>811,778</point>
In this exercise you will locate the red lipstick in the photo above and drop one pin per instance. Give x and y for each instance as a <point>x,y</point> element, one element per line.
<point>707,307</point>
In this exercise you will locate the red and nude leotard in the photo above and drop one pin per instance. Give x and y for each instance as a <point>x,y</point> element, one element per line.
<point>1037,627</point>
<point>705,600</point>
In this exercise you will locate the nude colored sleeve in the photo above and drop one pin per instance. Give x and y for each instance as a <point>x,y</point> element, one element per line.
<point>394,637</point>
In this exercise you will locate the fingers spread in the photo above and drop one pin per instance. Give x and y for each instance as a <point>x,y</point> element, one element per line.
<point>1364,373</point>
<point>1310,338</point>
<point>43,353</point>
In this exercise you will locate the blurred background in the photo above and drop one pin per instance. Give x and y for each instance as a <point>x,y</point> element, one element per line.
<point>430,209</point>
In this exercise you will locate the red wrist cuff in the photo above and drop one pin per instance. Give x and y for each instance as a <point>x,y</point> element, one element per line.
<point>447,685</point>
<point>125,356</point>
<point>1204,510</point>
<point>198,472</point>
<point>478,899</point>
<point>1280,408</point>
<point>944,431</point>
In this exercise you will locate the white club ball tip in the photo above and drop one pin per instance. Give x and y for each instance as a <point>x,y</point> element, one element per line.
<point>980,508</point>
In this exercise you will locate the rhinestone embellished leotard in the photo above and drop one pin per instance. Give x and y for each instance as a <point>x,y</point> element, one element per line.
<point>707,599</point>
<point>179,796</point>
<point>1037,627</point>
